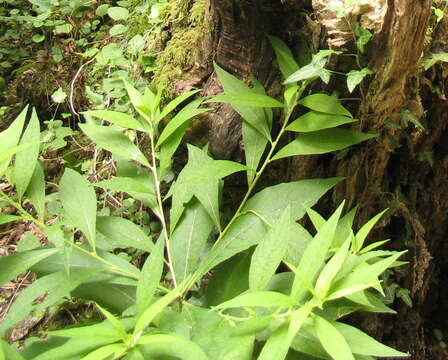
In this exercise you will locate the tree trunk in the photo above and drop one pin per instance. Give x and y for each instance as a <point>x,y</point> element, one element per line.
<point>405,169</point>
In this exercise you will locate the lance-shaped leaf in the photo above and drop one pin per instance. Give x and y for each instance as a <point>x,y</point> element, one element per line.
<point>247,99</point>
<point>26,159</point>
<point>104,352</point>
<point>181,118</point>
<point>321,142</point>
<point>270,252</point>
<point>117,118</point>
<point>189,239</point>
<point>114,141</point>
<point>325,104</point>
<point>285,59</point>
<point>124,232</point>
<point>266,299</point>
<point>150,277</point>
<point>9,138</point>
<point>361,235</point>
<point>4,219</point>
<point>13,265</point>
<point>314,121</point>
<point>79,202</point>
<point>175,103</point>
<point>332,340</point>
<point>36,190</point>
<point>9,352</point>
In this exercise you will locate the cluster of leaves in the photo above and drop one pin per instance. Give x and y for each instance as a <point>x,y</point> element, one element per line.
<point>245,308</point>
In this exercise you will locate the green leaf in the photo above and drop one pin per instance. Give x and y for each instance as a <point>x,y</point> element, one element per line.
<point>9,352</point>
<point>285,59</point>
<point>150,277</point>
<point>323,141</point>
<point>228,280</point>
<point>434,59</point>
<point>314,257</point>
<point>59,96</point>
<point>248,229</point>
<point>276,347</point>
<point>9,138</point>
<point>175,103</point>
<point>363,36</point>
<point>255,116</point>
<point>79,202</point>
<point>126,184</point>
<point>118,29</point>
<point>118,326</point>
<point>246,99</point>
<point>169,147</point>
<point>36,190</point>
<point>118,13</point>
<point>114,141</point>
<point>189,238</point>
<point>355,77</point>
<point>28,241</point>
<point>270,252</point>
<point>314,121</point>
<point>331,269</point>
<point>317,220</point>
<point>117,118</point>
<point>170,345</point>
<point>332,340</point>
<point>13,265</point>
<point>266,299</point>
<point>363,344</point>
<point>4,219</point>
<point>106,351</point>
<point>123,232</point>
<point>26,159</point>
<point>182,117</point>
<point>139,102</point>
<point>325,104</point>
<point>147,317</point>
<point>361,235</point>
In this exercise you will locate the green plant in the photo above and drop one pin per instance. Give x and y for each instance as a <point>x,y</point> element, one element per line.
<point>209,288</point>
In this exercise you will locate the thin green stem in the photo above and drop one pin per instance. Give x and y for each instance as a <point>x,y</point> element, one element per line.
<point>161,214</point>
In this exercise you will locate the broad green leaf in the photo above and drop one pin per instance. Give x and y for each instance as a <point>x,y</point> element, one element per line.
<point>123,232</point>
<point>175,103</point>
<point>332,340</point>
<point>323,141</point>
<point>79,201</point>
<point>36,190</point>
<point>325,104</point>
<point>255,116</point>
<point>181,118</point>
<point>315,254</point>
<point>248,229</point>
<point>434,59</point>
<point>355,77</point>
<point>26,159</point>
<point>314,121</point>
<point>59,96</point>
<point>150,277</point>
<point>254,326</point>
<point>361,235</point>
<point>363,344</point>
<point>7,155</point>
<point>241,348</point>
<point>285,59</point>
<point>118,13</point>
<point>171,345</point>
<point>117,118</point>
<point>118,326</point>
<point>9,352</point>
<point>4,219</point>
<point>270,252</point>
<point>189,238</point>
<point>114,141</point>
<point>140,102</point>
<point>13,265</point>
<point>331,269</point>
<point>146,318</point>
<point>371,302</point>
<point>276,347</point>
<point>266,299</point>
<point>106,351</point>
<point>9,138</point>
<point>126,184</point>
<point>228,280</point>
<point>89,331</point>
<point>299,239</point>
<point>117,29</point>
<point>316,219</point>
<point>247,99</point>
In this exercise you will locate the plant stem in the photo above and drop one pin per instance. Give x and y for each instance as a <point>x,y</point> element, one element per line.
<point>161,214</point>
